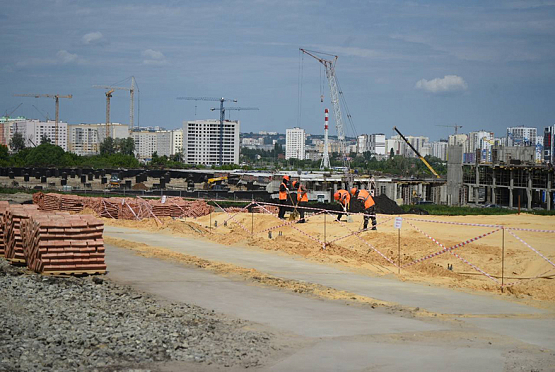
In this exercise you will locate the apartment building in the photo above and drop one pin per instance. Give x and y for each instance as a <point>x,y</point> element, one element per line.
<point>207,142</point>
<point>33,130</point>
<point>295,143</point>
<point>521,136</point>
<point>149,142</point>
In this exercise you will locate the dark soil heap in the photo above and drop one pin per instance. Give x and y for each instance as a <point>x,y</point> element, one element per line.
<point>385,205</point>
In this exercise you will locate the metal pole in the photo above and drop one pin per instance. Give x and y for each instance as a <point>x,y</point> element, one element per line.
<point>502,258</point>
<point>399,251</point>
<point>210,213</point>
<point>252,221</point>
<point>325,230</point>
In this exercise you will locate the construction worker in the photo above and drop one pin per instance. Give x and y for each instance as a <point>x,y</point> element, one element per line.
<point>367,203</point>
<point>283,193</point>
<point>302,199</point>
<point>344,198</point>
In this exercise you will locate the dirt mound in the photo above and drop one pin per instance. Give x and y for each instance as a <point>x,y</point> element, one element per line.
<point>385,205</point>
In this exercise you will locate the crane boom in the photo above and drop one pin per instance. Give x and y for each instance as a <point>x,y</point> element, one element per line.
<point>57,98</point>
<point>417,153</point>
<point>329,65</point>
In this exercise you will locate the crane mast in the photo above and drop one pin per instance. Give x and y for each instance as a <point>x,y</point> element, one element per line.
<point>329,65</point>
<point>57,99</point>
<point>131,95</point>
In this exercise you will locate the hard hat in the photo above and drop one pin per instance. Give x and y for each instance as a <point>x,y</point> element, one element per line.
<point>354,191</point>
<point>336,196</point>
<point>286,177</point>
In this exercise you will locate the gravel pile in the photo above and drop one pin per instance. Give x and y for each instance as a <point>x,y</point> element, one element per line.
<point>51,323</point>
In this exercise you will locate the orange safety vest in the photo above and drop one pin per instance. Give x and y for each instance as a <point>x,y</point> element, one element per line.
<point>344,197</point>
<point>283,194</point>
<point>302,196</point>
<point>366,198</point>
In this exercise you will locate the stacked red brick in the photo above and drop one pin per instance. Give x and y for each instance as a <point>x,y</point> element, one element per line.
<point>64,244</point>
<point>13,240</point>
<point>3,207</point>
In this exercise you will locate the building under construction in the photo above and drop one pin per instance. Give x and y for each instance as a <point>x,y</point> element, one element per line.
<point>511,179</point>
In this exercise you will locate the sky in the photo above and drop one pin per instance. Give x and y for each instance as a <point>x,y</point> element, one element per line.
<point>415,65</point>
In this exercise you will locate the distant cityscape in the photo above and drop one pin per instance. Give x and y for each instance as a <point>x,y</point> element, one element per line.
<point>203,142</point>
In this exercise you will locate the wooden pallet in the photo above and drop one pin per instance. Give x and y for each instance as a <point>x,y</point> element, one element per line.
<point>75,272</point>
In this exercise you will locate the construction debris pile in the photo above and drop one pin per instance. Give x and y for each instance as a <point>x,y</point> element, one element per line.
<point>123,208</point>
<point>52,242</point>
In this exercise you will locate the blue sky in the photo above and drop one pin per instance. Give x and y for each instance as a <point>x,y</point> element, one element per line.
<point>416,65</point>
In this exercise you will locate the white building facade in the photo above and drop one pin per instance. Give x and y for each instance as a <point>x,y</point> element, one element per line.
<point>85,139</point>
<point>149,142</point>
<point>33,130</point>
<point>177,141</point>
<point>295,143</point>
<point>521,136</point>
<point>204,142</point>
<point>376,143</point>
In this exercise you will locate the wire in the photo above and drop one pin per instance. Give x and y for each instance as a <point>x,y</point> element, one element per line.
<point>344,101</point>
<point>300,88</point>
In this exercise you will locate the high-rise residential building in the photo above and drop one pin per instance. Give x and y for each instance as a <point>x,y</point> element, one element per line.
<point>549,144</point>
<point>439,149</point>
<point>482,140</point>
<point>149,142</point>
<point>418,142</point>
<point>204,142</point>
<point>362,144</point>
<point>85,139</point>
<point>6,124</point>
<point>521,136</point>
<point>376,143</point>
<point>294,143</point>
<point>177,142</point>
<point>396,144</point>
<point>457,139</point>
<point>34,130</point>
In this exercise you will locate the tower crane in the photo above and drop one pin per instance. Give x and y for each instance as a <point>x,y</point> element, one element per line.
<point>234,109</point>
<point>132,96</point>
<point>108,123</point>
<point>451,126</point>
<point>57,98</point>
<point>222,118</point>
<point>329,65</point>
<point>7,116</point>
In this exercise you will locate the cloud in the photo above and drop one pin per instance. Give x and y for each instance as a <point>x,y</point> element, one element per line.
<point>65,57</point>
<point>153,57</point>
<point>93,38</point>
<point>447,84</point>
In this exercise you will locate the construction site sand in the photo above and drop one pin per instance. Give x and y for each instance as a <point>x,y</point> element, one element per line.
<point>356,253</point>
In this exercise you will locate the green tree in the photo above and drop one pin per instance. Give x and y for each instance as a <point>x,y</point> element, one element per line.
<point>17,143</point>
<point>125,146</point>
<point>107,147</point>
<point>44,139</point>
<point>391,153</point>
<point>45,155</point>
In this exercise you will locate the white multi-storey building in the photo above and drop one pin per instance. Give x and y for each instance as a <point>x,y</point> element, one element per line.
<point>398,146</point>
<point>177,141</point>
<point>457,139</point>
<point>85,139</point>
<point>439,149</point>
<point>149,142</point>
<point>34,130</point>
<point>362,144</point>
<point>521,136</point>
<point>376,143</point>
<point>294,143</point>
<point>204,142</point>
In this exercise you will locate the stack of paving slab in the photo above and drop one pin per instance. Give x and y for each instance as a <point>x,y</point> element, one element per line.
<point>3,207</point>
<point>13,240</point>
<point>59,243</point>
<point>124,208</point>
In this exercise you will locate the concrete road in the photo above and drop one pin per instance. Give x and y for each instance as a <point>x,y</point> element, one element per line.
<point>333,336</point>
<point>433,299</point>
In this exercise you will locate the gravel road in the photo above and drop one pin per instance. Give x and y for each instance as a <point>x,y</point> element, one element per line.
<point>89,323</point>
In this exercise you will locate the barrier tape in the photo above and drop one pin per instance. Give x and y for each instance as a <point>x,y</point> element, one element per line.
<point>284,224</point>
<point>456,255</point>
<point>240,224</point>
<point>236,213</point>
<point>318,209</point>
<point>532,248</point>
<point>370,245</point>
<point>302,232</point>
<point>445,249</point>
<point>532,230</point>
<point>452,223</point>
<point>532,278</point>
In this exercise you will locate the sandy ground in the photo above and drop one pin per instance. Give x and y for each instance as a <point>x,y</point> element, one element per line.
<point>533,276</point>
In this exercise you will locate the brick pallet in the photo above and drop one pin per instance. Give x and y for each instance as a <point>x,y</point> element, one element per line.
<point>63,244</point>
<point>12,232</point>
<point>3,207</point>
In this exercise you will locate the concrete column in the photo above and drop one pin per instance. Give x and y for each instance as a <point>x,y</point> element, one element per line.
<point>548,193</point>
<point>529,191</point>
<point>494,186</point>
<point>511,185</point>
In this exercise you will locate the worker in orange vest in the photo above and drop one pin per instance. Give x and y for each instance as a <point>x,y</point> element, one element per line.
<point>302,199</point>
<point>344,198</point>
<point>283,191</point>
<point>367,202</point>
